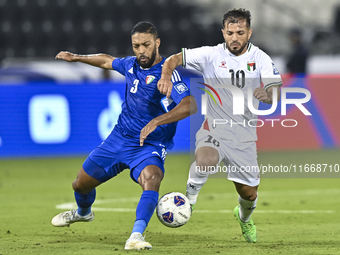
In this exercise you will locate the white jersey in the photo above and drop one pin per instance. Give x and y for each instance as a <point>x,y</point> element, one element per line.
<point>220,67</point>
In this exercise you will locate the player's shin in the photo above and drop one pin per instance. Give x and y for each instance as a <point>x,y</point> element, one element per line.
<point>195,182</point>
<point>247,207</point>
<point>145,209</point>
<point>84,202</point>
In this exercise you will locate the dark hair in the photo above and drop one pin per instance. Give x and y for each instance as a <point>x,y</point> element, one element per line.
<point>235,15</point>
<point>144,27</point>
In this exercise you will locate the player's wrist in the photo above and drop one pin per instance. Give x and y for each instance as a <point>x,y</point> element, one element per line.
<point>166,76</point>
<point>155,121</point>
<point>267,100</point>
<point>76,57</point>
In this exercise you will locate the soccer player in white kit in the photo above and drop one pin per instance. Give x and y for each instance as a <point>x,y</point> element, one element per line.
<point>234,64</point>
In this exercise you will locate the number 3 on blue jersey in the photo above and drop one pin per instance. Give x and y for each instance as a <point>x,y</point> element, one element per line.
<point>134,89</point>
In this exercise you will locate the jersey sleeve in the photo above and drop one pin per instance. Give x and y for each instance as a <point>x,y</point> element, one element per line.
<point>179,91</point>
<point>270,76</point>
<point>119,64</point>
<point>197,58</point>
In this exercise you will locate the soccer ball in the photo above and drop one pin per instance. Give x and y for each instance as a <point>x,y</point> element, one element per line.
<point>173,209</point>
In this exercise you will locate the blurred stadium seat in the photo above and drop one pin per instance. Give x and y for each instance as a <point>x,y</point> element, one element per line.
<point>41,28</point>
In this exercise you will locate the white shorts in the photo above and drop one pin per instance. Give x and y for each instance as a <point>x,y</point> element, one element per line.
<point>240,159</point>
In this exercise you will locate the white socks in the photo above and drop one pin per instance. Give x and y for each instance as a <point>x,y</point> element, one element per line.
<point>195,182</point>
<point>246,208</point>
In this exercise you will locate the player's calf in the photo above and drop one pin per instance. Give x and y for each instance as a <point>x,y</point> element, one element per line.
<point>195,182</point>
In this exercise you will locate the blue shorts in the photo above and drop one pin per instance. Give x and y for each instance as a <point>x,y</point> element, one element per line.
<point>108,159</point>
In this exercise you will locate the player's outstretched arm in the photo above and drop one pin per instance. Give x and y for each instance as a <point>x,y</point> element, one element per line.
<point>100,60</point>
<point>266,96</point>
<point>184,109</point>
<point>164,85</point>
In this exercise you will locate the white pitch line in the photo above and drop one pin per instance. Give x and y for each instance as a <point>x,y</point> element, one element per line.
<point>72,205</point>
<point>269,211</point>
<point>99,209</point>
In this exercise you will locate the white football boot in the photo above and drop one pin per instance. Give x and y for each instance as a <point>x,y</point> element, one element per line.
<point>136,242</point>
<point>64,219</point>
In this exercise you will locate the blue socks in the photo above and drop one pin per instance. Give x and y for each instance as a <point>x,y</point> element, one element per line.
<point>139,226</point>
<point>85,201</point>
<point>145,209</point>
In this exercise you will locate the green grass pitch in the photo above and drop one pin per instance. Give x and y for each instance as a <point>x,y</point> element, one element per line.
<point>293,216</point>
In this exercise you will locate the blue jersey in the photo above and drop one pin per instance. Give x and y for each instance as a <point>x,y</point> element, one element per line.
<point>143,101</point>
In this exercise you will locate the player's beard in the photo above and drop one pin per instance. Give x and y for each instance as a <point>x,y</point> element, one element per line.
<point>239,51</point>
<point>150,62</point>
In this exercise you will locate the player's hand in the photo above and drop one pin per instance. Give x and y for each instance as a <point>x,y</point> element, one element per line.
<point>67,56</point>
<point>165,87</point>
<point>149,128</point>
<point>261,94</point>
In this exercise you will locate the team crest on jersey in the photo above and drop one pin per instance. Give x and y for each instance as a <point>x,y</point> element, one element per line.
<point>149,79</point>
<point>251,66</point>
<point>223,64</point>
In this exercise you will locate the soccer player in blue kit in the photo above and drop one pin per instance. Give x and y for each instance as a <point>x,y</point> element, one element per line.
<point>144,131</point>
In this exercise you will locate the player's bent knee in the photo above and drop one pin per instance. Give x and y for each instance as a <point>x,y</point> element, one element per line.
<point>246,192</point>
<point>206,157</point>
<point>206,162</point>
<point>249,197</point>
<point>151,183</point>
<point>76,187</point>
<point>151,178</point>
<point>81,189</point>
<point>249,194</point>
<point>84,182</point>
